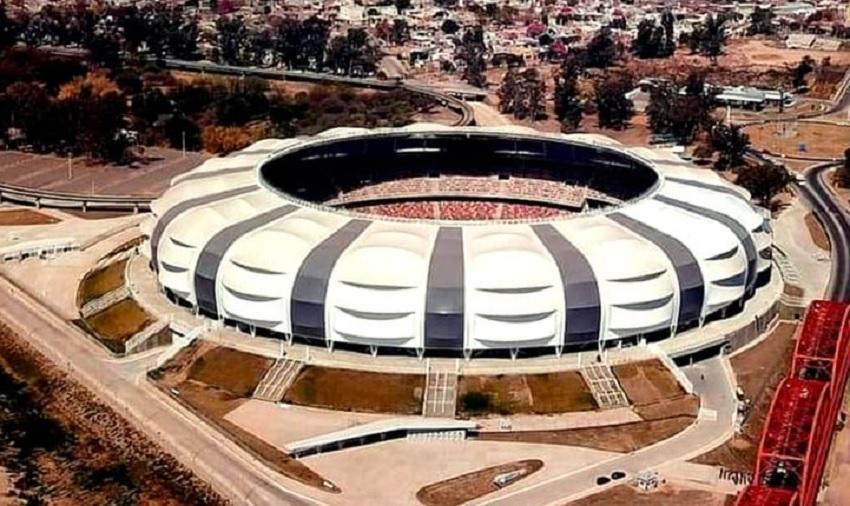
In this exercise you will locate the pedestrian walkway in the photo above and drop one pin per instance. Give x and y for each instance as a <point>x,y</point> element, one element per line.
<point>277,380</point>
<point>440,396</point>
<point>604,386</point>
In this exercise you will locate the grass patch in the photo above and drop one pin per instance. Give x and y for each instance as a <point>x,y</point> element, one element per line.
<point>647,382</point>
<point>466,487</point>
<point>816,232</point>
<point>350,390</point>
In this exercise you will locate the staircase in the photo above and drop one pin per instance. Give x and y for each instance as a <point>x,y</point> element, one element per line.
<point>277,380</point>
<point>440,397</point>
<point>604,386</point>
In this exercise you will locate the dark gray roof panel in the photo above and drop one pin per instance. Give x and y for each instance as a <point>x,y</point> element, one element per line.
<point>740,232</point>
<point>214,250</point>
<point>691,284</point>
<point>307,309</point>
<point>184,206</point>
<point>444,322</point>
<point>581,291</point>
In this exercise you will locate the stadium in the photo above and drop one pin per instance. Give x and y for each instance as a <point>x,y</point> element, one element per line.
<point>440,240</point>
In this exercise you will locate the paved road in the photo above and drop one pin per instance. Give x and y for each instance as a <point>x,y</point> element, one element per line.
<point>231,470</point>
<point>717,393</point>
<point>837,223</point>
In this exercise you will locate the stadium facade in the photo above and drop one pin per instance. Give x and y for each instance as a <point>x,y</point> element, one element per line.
<point>248,239</point>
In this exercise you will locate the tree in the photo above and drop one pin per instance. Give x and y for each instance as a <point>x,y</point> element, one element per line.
<point>8,29</point>
<point>667,23</point>
<point>400,32</point>
<point>803,69</point>
<point>615,110</point>
<point>568,106</point>
<point>601,51</point>
<point>352,53</point>
<point>402,5</point>
<point>650,41</point>
<point>709,37</point>
<point>232,40</point>
<point>764,181</point>
<point>678,115</point>
<point>450,27</point>
<point>731,144</point>
<point>522,94</point>
<point>472,52</point>
<point>761,21</point>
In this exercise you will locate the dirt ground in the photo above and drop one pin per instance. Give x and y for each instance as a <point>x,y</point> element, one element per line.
<point>100,282</point>
<point>665,495</point>
<point>821,139</point>
<point>25,217</point>
<point>647,382</point>
<point>529,393</point>
<point>117,323</point>
<point>234,371</point>
<point>758,371</point>
<point>213,401</point>
<point>469,486</point>
<point>683,405</point>
<point>817,232</point>
<point>349,390</point>
<point>614,438</point>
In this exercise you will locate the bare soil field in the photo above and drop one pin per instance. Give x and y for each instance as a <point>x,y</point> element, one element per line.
<point>647,382</point>
<point>350,390</point>
<point>613,438</point>
<point>64,446</point>
<point>817,232</point>
<point>227,369</point>
<point>821,140</point>
<point>21,217</point>
<point>665,495</point>
<point>101,281</point>
<point>528,393</point>
<point>212,402</point>
<point>466,487</point>
<point>758,371</point>
<point>683,405</point>
<point>116,324</point>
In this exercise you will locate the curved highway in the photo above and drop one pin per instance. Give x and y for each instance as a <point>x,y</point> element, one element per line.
<point>835,219</point>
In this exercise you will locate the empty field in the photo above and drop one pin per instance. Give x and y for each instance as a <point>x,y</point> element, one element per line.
<point>349,390</point>
<point>101,281</point>
<point>116,324</point>
<point>21,217</point>
<point>469,486</point>
<point>818,139</point>
<point>525,393</point>
<point>613,438</point>
<point>665,495</point>
<point>647,382</point>
<point>231,370</point>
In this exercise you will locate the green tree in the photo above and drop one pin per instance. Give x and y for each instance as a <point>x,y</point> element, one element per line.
<point>650,40</point>
<point>709,37</point>
<point>731,144</point>
<point>472,51</point>
<point>402,5</point>
<point>802,70</point>
<point>8,29</point>
<point>679,115</point>
<point>568,107</point>
<point>601,51</point>
<point>761,21</point>
<point>764,181</point>
<point>614,109</point>
<point>450,27</point>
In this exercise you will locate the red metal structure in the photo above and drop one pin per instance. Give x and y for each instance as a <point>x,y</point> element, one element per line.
<point>802,417</point>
